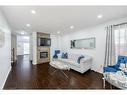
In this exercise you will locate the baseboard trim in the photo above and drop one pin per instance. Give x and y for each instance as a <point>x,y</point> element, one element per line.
<point>6,77</point>
<point>96,71</point>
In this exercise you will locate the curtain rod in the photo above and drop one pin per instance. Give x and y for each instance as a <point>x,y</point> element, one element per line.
<point>120,24</point>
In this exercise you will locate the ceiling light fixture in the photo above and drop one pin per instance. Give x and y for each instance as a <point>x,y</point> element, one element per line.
<point>28,25</point>
<point>58,32</point>
<point>72,27</point>
<point>99,16</point>
<point>33,11</point>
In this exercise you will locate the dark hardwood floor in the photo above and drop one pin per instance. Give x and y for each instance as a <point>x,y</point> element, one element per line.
<point>24,75</point>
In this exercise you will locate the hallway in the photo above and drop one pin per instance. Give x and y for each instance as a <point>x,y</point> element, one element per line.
<point>20,74</point>
<point>24,75</point>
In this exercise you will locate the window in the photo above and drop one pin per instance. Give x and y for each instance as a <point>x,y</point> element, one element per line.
<point>121,41</point>
<point>26,48</point>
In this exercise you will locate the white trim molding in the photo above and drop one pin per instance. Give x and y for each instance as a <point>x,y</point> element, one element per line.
<point>6,77</point>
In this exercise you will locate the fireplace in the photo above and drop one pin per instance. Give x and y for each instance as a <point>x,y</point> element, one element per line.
<point>43,54</point>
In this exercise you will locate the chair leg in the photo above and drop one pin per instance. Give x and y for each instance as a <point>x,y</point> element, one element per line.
<point>64,74</point>
<point>103,82</point>
<point>54,72</point>
<point>110,86</point>
<point>49,67</point>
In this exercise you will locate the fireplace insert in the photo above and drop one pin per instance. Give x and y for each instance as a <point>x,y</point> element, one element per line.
<point>43,54</point>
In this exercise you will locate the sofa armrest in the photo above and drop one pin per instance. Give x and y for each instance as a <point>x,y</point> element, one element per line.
<point>86,63</point>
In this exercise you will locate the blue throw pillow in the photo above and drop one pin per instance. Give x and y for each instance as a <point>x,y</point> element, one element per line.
<point>66,55</point>
<point>110,69</point>
<point>55,56</point>
<point>62,55</point>
<point>79,58</point>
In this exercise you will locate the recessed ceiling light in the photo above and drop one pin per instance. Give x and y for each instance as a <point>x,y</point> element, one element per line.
<point>58,32</point>
<point>28,25</point>
<point>99,16</point>
<point>33,11</point>
<point>72,27</point>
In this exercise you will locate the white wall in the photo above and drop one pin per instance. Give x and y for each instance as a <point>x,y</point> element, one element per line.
<point>98,53</point>
<point>31,47</point>
<point>5,51</point>
<point>14,44</point>
<point>55,44</point>
<point>34,47</point>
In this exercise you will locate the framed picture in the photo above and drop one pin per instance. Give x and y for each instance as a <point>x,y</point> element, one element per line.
<point>1,38</point>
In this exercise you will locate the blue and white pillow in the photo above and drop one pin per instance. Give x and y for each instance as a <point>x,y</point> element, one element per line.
<point>64,55</point>
<point>79,58</point>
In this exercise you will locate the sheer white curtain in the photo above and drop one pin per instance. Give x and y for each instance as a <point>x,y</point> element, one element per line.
<point>110,54</point>
<point>116,43</point>
<point>121,39</point>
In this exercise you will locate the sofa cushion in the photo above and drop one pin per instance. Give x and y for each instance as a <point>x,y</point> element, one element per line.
<point>110,69</point>
<point>73,56</point>
<point>121,59</point>
<point>70,62</point>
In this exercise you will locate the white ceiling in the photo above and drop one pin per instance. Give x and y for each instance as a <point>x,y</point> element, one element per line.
<point>51,19</point>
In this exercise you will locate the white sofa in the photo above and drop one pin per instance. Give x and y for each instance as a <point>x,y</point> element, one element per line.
<point>84,65</point>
